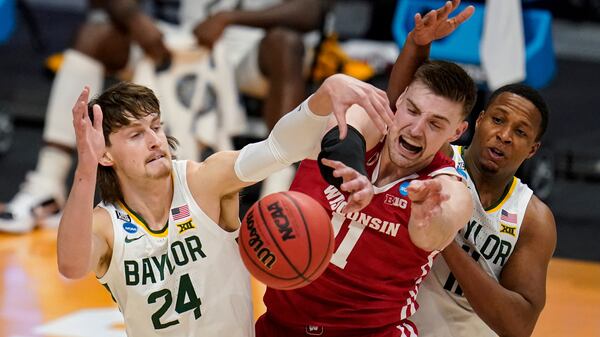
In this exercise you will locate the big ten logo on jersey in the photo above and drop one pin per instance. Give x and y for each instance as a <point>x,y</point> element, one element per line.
<point>281,221</point>
<point>154,269</point>
<point>395,201</point>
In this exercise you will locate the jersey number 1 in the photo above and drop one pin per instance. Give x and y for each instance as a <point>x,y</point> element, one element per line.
<point>355,230</point>
<point>186,300</point>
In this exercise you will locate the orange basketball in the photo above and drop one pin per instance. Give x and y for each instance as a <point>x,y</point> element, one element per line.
<point>286,240</point>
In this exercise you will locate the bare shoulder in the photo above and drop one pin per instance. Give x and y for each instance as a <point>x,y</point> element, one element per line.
<point>539,226</point>
<point>538,216</point>
<point>215,170</point>
<point>102,223</point>
<point>103,240</point>
<point>215,176</point>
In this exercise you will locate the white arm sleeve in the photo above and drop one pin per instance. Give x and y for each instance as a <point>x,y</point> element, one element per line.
<point>293,138</point>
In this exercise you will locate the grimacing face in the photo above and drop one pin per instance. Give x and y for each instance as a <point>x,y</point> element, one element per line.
<point>140,150</point>
<point>505,134</point>
<point>423,123</point>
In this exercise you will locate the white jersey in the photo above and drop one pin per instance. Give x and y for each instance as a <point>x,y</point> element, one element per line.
<point>184,280</point>
<point>489,238</point>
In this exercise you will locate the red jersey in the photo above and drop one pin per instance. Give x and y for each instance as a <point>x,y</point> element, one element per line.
<point>373,276</point>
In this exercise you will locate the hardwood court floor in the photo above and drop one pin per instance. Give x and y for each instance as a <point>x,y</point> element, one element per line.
<point>36,301</point>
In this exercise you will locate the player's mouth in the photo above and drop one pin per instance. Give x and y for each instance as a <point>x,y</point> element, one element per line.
<point>411,147</point>
<point>155,157</point>
<point>496,153</point>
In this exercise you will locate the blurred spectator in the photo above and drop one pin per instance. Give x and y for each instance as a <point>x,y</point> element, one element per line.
<point>102,47</point>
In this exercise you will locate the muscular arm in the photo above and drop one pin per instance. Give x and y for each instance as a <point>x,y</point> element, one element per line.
<point>436,217</point>
<point>81,246</point>
<point>301,15</point>
<point>410,58</point>
<point>128,17</point>
<point>433,26</point>
<point>519,297</point>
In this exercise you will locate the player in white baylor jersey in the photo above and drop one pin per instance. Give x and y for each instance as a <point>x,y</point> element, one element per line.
<point>163,239</point>
<point>492,279</point>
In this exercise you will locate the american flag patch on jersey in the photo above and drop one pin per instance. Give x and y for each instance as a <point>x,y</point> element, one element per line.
<point>508,217</point>
<point>180,212</point>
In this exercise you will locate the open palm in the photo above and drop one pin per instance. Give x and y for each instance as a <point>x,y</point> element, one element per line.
<point>89,137</point>
<point>436,25</point>
<point>427,198</point>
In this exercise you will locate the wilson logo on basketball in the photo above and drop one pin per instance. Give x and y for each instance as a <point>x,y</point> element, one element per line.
<point>281,221</point>
<point>255,242</point>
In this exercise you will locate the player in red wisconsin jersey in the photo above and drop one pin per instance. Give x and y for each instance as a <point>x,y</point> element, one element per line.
<point>391,209</point>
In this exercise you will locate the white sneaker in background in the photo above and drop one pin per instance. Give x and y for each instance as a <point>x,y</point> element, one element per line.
<point>38,203</point>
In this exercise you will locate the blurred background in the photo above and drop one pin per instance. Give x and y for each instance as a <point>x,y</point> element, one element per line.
<point>361,38</point>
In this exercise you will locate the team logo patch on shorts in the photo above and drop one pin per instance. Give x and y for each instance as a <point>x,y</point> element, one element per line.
<point>314,330</point>
<point>130,228</point>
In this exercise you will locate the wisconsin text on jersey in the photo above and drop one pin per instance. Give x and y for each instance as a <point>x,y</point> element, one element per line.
<point>153,269</point>
<point>337,201</point>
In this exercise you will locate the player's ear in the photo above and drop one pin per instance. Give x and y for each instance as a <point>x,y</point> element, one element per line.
<point>533,149</point>
<point>106,159</point>
<point>480,117</point>
<point>401,98</point>
<point>460,129</point>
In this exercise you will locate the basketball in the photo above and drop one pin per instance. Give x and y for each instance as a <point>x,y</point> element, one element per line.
<point>286,240</point>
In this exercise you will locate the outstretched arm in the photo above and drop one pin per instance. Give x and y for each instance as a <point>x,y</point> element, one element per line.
<point>433,26</point>
<point>440,207</point>
<point>296,136</point>
<point>520,294</point>
<point>79,249</point>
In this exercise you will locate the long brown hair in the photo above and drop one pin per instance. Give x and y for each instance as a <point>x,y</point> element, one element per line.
<point>121,104</point>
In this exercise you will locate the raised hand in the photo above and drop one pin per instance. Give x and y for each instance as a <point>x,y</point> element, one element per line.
<point>344,91</point>
<point>359,187</point>
<point>427,198</point>
<point>436,25</point>
<point>89,137</point>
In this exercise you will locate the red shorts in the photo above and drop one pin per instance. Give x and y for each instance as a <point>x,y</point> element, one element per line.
<point>266,326</point>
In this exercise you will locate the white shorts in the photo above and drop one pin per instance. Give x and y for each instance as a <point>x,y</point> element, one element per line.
<point>242,45</point>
